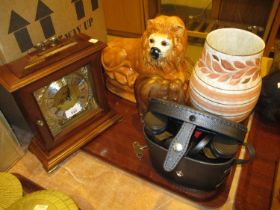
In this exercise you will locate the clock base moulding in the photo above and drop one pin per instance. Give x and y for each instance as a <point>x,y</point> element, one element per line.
<point>52,158</point>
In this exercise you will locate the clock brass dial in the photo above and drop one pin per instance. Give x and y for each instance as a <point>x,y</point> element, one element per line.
<point>66,99</point>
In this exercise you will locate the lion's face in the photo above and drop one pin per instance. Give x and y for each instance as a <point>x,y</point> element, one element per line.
<point>160,45</point>
<point>164,42</point>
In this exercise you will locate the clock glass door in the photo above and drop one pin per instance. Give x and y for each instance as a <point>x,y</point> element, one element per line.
<point>67,99</point>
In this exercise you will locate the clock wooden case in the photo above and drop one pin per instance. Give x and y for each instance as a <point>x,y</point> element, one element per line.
<point>61,93</point>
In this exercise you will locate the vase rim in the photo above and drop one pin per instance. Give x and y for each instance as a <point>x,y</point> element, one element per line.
<point>256,38</point>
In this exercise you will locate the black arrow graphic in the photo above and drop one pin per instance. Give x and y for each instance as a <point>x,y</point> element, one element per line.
<point>94,4</point>
<point>18,28</point>
<point>43,14</point>
<point>79,7</point>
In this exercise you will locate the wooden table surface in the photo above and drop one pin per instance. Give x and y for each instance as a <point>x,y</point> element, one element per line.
<point>257,178</point>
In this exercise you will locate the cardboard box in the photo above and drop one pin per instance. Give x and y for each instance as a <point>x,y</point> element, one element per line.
<point>26,23</point>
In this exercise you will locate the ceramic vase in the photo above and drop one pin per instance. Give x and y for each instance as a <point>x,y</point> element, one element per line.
<point>226,80</point>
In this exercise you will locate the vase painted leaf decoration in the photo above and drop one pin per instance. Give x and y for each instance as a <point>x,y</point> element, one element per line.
<point>246,80</point>
<point>239,74</point>
<point>227,65</point>
<point>232,73</point>
<point>217,67</point>
<point>250,63</point>
<point>215,57</point>
<point>213,75</point>
<point>239,64</point>
<point>200,63</point>
<point>251,71</point>
<point>234,82</point>
<point>205,70</point>
<point>255,76</point>
<point>224,78</point>
<point>208,61</point>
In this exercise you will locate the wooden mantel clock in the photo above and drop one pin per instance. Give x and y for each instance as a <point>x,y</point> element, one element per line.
<point>61,92</point>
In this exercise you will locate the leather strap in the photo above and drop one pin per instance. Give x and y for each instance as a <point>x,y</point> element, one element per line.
<point>198,118</point>
<point>178,146</point>
<point>251,152</point>
<point>200,145</point>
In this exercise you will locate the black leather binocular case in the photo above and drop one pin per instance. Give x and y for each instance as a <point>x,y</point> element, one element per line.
<point>191,148</point>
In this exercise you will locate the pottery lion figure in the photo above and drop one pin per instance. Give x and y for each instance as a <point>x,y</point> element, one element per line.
<point>154,65</point>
